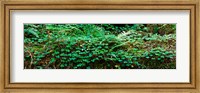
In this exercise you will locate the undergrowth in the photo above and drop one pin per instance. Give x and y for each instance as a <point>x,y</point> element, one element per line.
<point>99,46</point>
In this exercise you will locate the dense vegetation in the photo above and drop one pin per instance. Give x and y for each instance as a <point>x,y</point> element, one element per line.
<point>99,46</point>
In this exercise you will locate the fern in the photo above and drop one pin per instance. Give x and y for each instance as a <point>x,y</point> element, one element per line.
<point>31,31</point>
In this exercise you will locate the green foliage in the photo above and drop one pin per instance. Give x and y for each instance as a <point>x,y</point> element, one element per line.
<point>100,46</point>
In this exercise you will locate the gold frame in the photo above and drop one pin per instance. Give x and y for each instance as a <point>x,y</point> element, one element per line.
<point>8,6</point>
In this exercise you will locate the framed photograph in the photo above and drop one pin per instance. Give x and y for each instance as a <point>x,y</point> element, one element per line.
<point>99,46</point>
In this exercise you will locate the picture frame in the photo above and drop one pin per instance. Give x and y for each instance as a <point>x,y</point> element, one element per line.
<point>8,6</point>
